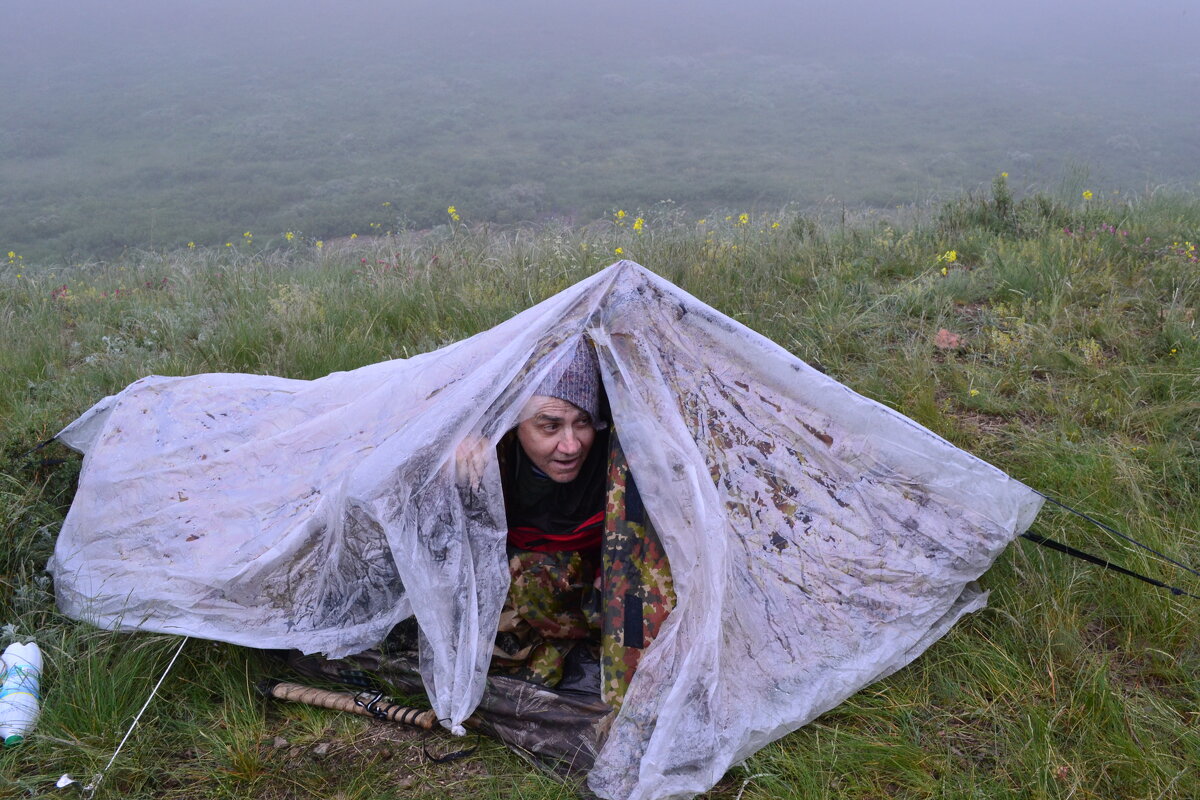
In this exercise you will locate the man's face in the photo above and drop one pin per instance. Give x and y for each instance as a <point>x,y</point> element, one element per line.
<point>556,436</point>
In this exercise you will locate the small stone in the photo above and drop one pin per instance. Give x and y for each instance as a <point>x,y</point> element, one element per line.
<point>321,749</point>
<point>279,742</point>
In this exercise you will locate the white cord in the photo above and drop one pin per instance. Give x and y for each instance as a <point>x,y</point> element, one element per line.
<point>90,789</point>
<point>746,783</point>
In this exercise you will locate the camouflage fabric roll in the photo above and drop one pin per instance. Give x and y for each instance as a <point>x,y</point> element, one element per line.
<point>551,605</point>
<point>638,591</point>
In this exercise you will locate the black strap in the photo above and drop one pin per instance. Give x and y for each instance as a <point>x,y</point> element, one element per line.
<point>382,707</point>
<point>448,757</point>
<point>42,463</point>
<point>45,462</point>
<point>1116,532</point>
<point>39,447</point>
<point>1091,559</point>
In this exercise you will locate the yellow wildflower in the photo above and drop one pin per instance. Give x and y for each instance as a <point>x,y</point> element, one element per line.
<point>320,244</point>
<point>453,212</point>
<point>743,219</point>
<point>974,392</point>
<point>12,254</point>
<point>774,225</point>
<point>386,204</point>
<point>1003,174</point>
<point>354,236</point>
<point>620,214</point>
<point>191,245</point>
<point>945,271</point>
<point>620,251</point>
<point>701,222</point>
<point>247,235</point>
<point>638,224</point>
<point>229,244</point>
<point>1087,194</point>
<point>289,236</point>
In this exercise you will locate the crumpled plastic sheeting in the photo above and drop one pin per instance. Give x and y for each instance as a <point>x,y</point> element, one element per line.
<point>818,540</point>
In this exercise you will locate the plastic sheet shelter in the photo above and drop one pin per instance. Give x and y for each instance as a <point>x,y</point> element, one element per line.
<point>818,540</point>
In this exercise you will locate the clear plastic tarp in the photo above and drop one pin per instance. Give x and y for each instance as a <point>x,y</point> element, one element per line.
<point>818,540</point>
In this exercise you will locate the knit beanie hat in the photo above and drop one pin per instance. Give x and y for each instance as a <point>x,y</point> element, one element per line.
<point>576,379</point>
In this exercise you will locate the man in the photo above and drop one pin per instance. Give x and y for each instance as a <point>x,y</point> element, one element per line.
<point>554,472</point>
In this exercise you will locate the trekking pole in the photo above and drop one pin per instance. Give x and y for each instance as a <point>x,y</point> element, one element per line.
<point>364,704</point>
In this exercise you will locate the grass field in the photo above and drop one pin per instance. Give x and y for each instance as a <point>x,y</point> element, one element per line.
<point>1054,336</point>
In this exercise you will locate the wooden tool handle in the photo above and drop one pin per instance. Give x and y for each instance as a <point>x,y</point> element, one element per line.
<point>363,704</point>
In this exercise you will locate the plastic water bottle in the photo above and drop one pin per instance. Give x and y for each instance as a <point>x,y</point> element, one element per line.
<point>19,693</point>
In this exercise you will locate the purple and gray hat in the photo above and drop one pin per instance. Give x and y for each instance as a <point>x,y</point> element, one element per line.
<point>576,380</point>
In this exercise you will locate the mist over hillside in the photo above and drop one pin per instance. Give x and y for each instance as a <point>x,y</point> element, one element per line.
<point>157,123</point>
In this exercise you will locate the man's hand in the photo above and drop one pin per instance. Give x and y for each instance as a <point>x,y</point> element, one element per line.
<point>471,459</point>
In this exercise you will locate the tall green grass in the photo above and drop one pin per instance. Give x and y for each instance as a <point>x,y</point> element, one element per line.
<point>1076,369</point>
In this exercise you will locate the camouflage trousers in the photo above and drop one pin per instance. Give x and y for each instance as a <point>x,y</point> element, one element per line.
<point>552,605</point>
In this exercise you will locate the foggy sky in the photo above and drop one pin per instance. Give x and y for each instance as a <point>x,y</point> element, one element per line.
<point>1107,31</point>
<point>109,100</point>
